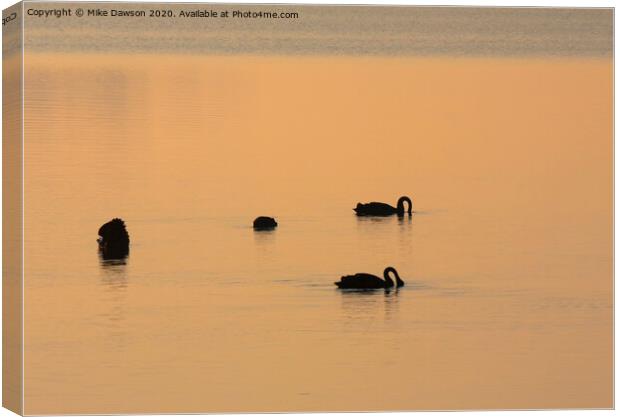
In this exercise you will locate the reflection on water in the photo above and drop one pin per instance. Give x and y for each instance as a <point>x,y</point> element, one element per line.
<point>360,306</point>
<point>108,263</point>
<point>371,221</point>
<point>114,285</point>
<point>266,250</point>
<point>264,237</point>
<point>113,271</point>
<point>504,306</point>
<point>405,220</point>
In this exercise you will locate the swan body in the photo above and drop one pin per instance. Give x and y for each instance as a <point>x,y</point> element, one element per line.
<point>383,209</point>
<point>113,240</point>
<point>264,222</point>
<point>369,281</point>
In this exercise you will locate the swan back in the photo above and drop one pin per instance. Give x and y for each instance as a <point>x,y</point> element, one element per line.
<point>114,231</point>
<point>264,222</point>
<point>113,240</point>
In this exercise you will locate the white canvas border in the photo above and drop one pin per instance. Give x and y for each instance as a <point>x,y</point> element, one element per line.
<point>488,3</point>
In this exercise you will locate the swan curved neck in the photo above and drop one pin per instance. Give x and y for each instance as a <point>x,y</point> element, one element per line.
<point>400,207</point>
<point>386,275</point>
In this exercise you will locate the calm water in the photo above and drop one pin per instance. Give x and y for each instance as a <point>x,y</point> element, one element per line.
<point>507,260</point>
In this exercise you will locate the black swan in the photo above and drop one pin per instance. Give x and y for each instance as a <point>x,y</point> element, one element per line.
<point>383,209</point>
<point>113,240</point>
<point>264,223</point>
<point>362,280</point>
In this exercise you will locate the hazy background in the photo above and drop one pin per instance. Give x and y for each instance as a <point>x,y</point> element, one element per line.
<point>336,30</point>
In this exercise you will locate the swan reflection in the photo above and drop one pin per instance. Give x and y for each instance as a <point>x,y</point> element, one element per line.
<point>361,308</point>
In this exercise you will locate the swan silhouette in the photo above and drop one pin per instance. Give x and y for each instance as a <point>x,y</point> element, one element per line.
<point>383,209</point>
<point>113,240</point>
<point>264,223</point>
<point>363,280</point>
